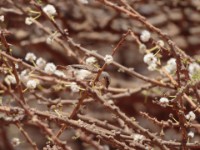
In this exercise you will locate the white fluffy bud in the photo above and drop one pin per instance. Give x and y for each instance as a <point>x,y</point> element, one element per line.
<point>145,36</point>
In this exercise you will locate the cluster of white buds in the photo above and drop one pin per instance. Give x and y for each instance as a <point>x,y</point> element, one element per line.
<point>145,36</point>
<point>82,74</point>
<point>138,137</point>
<point>40,62</point>
<point>190,116</point>
<point>108,59</point>
<point>142,48</point>
<point>151,60</point>
<point>83,1</point>
<point>28,20</point>
<point>49,40</point>
<point>191,134</point>
<point>10,79</point>
<point>171,65</point>
<point>50,68</point>
<point>2,18</point>
<point>60,73</point>
<point>49,10</point>
<point>193,69</point>
<point>32,84</point>
<point>16,66</point>
<point>24,76</point>
<point>164,100</point>
<point>90,60</point>
<point>30,57</point>
<point>15,141</point>
<point>160,43</point>
<point>74,87</point>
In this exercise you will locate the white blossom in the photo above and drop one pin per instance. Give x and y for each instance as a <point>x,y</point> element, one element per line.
<point>16,66</point>
<point>24,73</point>
<point>138,137</point>
<point>108,59</point>
<point>59,73</point>
<point>2,18</point>
<point>193,68</point>
<point>15,141</point>
<point>30,57</point>
<point>110,102</point>
<point>82,74</point>
<point>40,62</point>
<point>145,36</point>
<point>10,79</point>
<point>49,40</point>
<point>150,59</point>
<point>32,84</point>
<point>142,48</point>
<point>160,43</point>
<point>28,21</point>
<point>50,68</point>
<point>24,76</point>
<point>171,65</point>
<point>83,1</point>
<point>90,60</point>
<point>172,62</point>
<point>190,116</point>
<point>152,67</point>
<point>191,134</point>
<point>164,100</point>
<point>49,10</point>
<point>74,87</point>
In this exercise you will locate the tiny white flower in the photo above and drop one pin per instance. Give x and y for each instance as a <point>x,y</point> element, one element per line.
<point>59,73</point>
<point>150,59</point>
<point>193,68</point>
<point>74,87</point>
<point>164,100</point>
<point>15,141</point>
<point>190,116</point>
<point>2,18</point>
<point>49,10</point>
<point>50,68</point>
<point>28,21</point>
<point>160,43</point>
<point>16,66</point>
<point>191,134</point>
<point>108,59</point>
<point>82,74</point>
<point>32,84</point>
<point>10,79</point>
<point>24,75</point>
<point>171,65</point>
<point>172,62</point>
<point>40,62</point>
<point>152,67</point>
<point>138,137</point>
<point>30,57</point>
<point>84,1</point>
<point>142,48</point>
<point>49,40</point>
<point>90,60</point>
<point>145,36</point>
<point>110,102</point>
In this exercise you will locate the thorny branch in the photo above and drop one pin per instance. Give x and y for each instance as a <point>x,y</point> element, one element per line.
<point>73,107</point>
